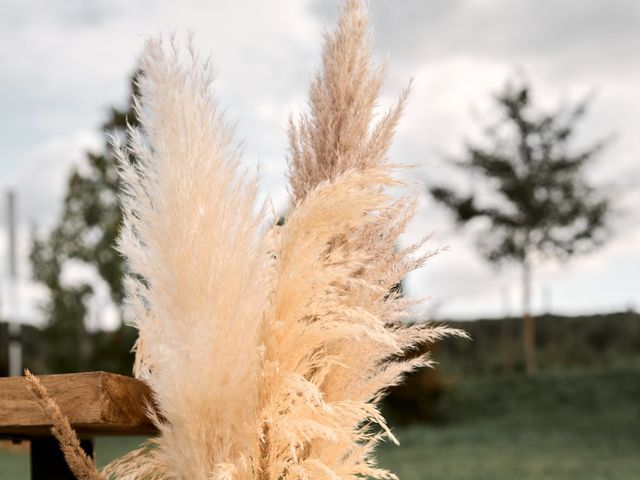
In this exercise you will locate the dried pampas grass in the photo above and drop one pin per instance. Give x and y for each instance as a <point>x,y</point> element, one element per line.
<point>339,132</point>
<point>79,463</point>
<point>267,347</point>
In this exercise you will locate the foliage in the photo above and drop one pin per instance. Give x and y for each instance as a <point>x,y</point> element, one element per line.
<point>539,200</point>
<point>86,235</point>
<point>564,342</point>
<point>110,350</point>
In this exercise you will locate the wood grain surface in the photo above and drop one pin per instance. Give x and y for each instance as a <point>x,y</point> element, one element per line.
<point>96,403</point>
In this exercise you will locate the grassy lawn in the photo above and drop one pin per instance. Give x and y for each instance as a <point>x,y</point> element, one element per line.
<point>583,425</point>
<point>508,449</point>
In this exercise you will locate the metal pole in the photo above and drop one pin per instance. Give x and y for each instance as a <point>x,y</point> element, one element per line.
<point>15,341</point>
<point>546,300</point>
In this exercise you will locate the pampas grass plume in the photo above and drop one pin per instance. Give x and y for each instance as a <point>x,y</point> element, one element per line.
<point>267,347</point>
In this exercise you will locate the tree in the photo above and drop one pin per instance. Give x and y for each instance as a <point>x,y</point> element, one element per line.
<point>86,233</point>
<point>533,191</point>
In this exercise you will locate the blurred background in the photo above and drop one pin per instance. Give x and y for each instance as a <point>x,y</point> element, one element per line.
<point>522,131</point>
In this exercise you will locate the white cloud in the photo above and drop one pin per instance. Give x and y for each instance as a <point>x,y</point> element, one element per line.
<point>40,180</point>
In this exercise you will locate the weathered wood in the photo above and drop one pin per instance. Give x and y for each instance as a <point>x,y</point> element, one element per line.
<point>96,403</point>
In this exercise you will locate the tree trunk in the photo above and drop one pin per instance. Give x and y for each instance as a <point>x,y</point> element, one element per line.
<point>528,322</point>
<point>507,341</point>
<point>506,335</point>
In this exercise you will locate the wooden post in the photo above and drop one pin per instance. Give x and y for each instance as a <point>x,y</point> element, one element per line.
<point>47,460</point>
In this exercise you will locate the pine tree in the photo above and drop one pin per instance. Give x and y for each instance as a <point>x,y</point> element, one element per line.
<point>532,190</point>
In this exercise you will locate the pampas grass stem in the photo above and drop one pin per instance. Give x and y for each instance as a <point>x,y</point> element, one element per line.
<point>267,347</point>
<point>79,463</point>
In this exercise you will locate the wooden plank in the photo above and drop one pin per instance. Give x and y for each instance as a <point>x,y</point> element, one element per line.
<point>96,403</point>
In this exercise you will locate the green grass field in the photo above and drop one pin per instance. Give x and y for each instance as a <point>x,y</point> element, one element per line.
<point>581,425</point>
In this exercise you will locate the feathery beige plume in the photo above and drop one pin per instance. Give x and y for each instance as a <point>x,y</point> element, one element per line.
<point>333,335</point>
<point>339,132</point>
<point>267,349</point>
<point>79,463</point>
<point>195,248</point>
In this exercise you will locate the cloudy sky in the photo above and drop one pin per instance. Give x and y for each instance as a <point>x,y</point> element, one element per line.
<point>62,64</point>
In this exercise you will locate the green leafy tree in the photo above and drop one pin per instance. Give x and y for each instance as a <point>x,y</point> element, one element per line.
<point>86,233</point>
<point>531,189</point>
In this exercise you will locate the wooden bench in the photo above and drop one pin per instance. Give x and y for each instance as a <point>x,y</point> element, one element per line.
<point>96,404</point>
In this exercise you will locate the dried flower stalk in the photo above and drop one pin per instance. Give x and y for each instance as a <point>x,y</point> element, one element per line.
<point>267,347</point>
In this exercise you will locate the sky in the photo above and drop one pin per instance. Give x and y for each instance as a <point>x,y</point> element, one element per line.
<point>63,64</point>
